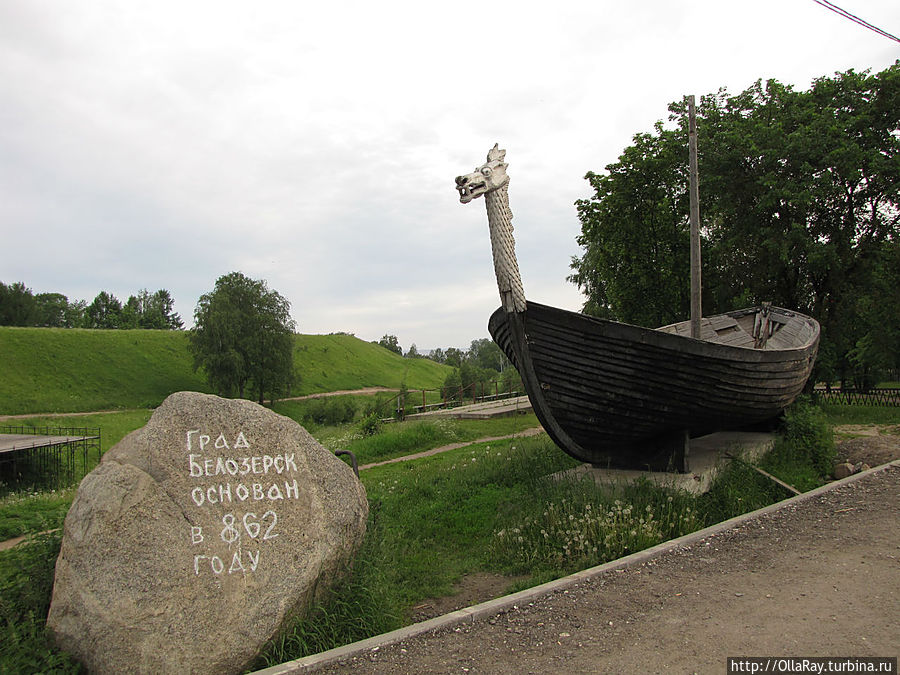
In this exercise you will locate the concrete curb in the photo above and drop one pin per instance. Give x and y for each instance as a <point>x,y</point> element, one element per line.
<point>493,607</point>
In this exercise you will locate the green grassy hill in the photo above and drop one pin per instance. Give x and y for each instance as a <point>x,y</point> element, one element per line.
<point>72,370</point>
<point>336,362</point>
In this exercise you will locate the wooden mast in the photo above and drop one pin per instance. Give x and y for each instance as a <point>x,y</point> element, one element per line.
<point>696,310</point>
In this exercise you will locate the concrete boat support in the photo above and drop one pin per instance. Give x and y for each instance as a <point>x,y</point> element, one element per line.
<point>707,455</point>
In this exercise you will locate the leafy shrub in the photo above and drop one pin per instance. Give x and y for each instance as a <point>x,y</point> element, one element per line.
<point>370,425</point>
<point>330,411</point>
<point>808,436</point>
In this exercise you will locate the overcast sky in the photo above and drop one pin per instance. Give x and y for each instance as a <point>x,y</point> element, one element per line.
<point>314,145</point>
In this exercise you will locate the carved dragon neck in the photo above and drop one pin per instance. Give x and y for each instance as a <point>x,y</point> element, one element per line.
<point>503,247</point>
<point>492,181</point>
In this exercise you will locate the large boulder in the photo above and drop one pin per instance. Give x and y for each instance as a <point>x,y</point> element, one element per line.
<point>198,536</point>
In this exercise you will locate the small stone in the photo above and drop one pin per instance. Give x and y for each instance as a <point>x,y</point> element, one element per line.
<point>843,470</point>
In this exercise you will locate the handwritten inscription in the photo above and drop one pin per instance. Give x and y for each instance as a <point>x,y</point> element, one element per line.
<point>222,466</point>
<point>222,493</point>
<point>237,529</point>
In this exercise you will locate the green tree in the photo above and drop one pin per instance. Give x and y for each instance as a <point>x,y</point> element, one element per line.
<point>50,309</point>
<point>132,311</point>
<point>805,191</point>
<point>486,354</point>
<point>636,235</point>
<point>510,380</point>
<point>151,311</point>
<point>104,312</point>
<point>17,305</point>
<point>161,312</point>
<point>454,357</point>
<point>877,351</point>
<point>391,343</point>
<point>75,314</point>
<point>243,338</point>
<point>452,389</point>
<point>799,204</point>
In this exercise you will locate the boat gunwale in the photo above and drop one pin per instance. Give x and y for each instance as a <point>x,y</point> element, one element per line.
<point>684,343</point>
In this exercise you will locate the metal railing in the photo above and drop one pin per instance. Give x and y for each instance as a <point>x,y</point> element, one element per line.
<point>51,457</point>
<point>476,392</point>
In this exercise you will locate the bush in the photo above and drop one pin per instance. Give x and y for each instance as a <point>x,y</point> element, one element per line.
<point>452,389</point>
<point>371,425</point>
<point>808,436</point>
<point>330,411</point>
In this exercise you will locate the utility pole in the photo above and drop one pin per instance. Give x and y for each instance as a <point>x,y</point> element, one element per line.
<point>696,309</point>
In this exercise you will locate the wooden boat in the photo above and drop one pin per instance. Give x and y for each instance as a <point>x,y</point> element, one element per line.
<point>614,394</point>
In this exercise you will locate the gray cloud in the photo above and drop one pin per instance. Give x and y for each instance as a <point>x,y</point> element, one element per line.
<point>164,145</point>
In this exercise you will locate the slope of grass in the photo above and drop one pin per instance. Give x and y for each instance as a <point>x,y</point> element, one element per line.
<point>338,362</point>
<point>74,370</point>
<point>49,370</point>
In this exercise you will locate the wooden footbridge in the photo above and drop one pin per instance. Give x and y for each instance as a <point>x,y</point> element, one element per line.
<point>45,455</point>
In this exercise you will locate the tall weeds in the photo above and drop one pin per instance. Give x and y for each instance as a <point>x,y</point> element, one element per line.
<point>26,583</point>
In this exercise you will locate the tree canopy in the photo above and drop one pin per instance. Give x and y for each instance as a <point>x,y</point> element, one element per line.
<point>391,343</point>
<point>243,338</point>
<point>19,306</point>
<point>799,204</point>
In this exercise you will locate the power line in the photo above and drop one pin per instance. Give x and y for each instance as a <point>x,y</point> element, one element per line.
<point>855,19</point>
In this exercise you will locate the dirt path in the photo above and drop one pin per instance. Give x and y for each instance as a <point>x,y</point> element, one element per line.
<point>368,391</point>
<point>534,431</point>
<point>68,414</point>
<point>819,576</point>
<point>362,392</point>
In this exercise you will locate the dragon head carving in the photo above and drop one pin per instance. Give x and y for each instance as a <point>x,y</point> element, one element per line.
<point>486,178</point>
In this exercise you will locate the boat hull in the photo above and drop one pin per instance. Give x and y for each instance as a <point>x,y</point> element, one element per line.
<point>615,394</point>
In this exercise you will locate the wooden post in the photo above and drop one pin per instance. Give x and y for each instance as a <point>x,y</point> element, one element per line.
<point>696,310</point>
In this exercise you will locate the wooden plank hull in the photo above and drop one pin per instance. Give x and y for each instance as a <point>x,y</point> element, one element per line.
<point>615,394</point>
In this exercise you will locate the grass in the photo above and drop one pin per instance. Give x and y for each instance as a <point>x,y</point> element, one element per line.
<point>482,508</point>
<point>342,362</point>
<point>75,370</point>
<point>31,510</point>
<point>404,438</point>
<point>566,526</point>
<point>26,582</point>
<point>50,370</point>
<point>34,512</point>
<point>431,521</point>
<point>860,414</point>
